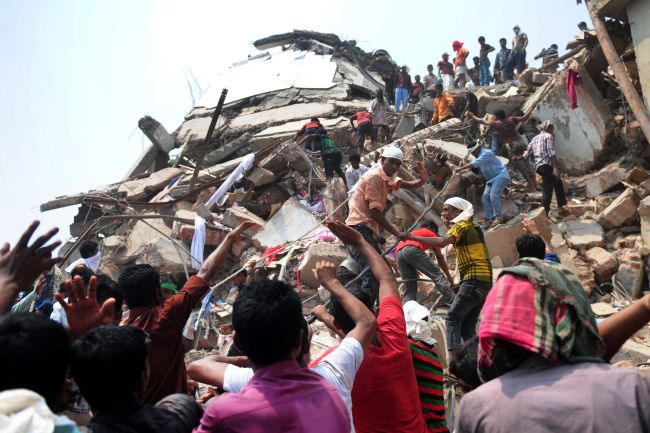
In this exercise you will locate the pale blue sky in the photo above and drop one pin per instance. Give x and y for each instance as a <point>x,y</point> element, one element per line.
<point>77,75</point>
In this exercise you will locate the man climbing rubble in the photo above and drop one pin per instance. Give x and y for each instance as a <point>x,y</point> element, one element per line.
<point>369,201</point>
<point>364,129</point>
<point>443,104</point>
<point>473,263</point>
<point>329,151</point>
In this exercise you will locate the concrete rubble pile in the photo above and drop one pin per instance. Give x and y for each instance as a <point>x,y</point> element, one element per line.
<point>149,216</point>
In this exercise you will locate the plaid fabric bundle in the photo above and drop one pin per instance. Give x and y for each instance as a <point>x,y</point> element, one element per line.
<point>428,374</point>
<point>552,318</point>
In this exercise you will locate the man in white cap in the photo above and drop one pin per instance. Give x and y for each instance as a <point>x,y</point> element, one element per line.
<point>519,44</point>
<point>368,202</point>
<point>473,263</point>
<point>542,149</point>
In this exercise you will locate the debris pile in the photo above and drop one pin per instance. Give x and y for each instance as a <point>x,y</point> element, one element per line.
<point>233,159</point>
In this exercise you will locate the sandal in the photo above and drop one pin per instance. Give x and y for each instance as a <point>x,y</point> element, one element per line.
<point>496,222</point>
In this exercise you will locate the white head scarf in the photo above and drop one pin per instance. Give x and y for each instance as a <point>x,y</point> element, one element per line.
<point>416,327</point>
<point>392,152</point>
<point>90,262</point>
<point>462,204</point>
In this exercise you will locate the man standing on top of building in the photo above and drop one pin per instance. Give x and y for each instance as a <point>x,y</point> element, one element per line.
<point>402,89</point>
<point>369,201</point>
<point>473,263</point>
<point>484,62</point>
<point>446,72</point>
<point>460,64</point>
<point>417,88</point>
<point>364,129</point>
<point>378,107</point>
<point>502,63</point>
<point>411,259</point>
<point>430,80</point>
<point>519,44</point>
<point>549,55</point>
<point>474,72</point>
<point>543,150</point>
<point>443,104</point>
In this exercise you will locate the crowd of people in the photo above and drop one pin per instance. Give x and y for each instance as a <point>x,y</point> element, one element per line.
<point>87,352</point>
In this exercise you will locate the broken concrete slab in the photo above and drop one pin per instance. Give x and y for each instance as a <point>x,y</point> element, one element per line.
<point>164,255</point>
<point>333,199</point>
<point>501,240</point>
<point>621,211</point>
<point>605,179</point>
<point>235,215</point>
<point>317,251</point>
<point>582,235</point>
<point>261,176</point>
<point>140,188</point>
<point>156,133</point>
<point>644,216</point>
<point>282,115</point>
<point>604,263</point>
<point>580,134</point>
<point>291,222</point>
<point>630,273</point>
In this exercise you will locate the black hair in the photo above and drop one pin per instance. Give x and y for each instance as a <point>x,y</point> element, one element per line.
<point>554,46</point>
<point>84,272</point>
<point>267,317</point>
<point>438,86</point>
<point>62,288</point>
<point>35,355</point>
<point>315,119</point>
<point>88,249</point>
<point>354,157</point>
<point>431,226</point>
<point>381,240</point>
<point>107,364</point>
<point>503,40</point>
<point>465,364</point>
<point>429,66</point>
<point>342,318</point>
<point>476,58</point>
<point>529,245</point>
<point>481,38</point>
<point>304,343</point>
<point>140,285</point>
<point>107,288</point>
<point>500,114</point>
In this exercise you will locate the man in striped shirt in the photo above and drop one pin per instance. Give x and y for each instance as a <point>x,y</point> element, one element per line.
<point>542,149</point>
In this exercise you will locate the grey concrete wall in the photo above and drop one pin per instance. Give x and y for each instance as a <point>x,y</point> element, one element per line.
<point>638,13</point>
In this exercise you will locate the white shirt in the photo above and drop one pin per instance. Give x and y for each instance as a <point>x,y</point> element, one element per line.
<point>339,368</point>
<point>352,176</point>
<point>58,314</point>
<point>378,110</point>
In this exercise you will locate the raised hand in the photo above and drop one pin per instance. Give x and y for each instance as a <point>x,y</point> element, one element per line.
<point>326,272</point>
<point>346,234</point>
<point>241,228</point>
<point>82,310</point>
<point>22,265</point>
<point>422,171</point>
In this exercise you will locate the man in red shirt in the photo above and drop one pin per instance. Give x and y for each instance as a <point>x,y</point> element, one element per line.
<point>385,394</point>
<point>364,129</point>
<point>164,321</point>
<point>411,259</point>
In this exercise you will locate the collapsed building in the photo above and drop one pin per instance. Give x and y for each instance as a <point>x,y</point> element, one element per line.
<point>233,159</point>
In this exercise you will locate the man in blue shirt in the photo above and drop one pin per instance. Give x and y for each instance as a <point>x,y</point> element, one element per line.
<point>497,177</point>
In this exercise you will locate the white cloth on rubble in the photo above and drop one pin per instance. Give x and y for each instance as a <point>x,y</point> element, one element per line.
<point>198,240</point>
<point>22,410</point>
<point>339,368</point>
<point>90,262</point>
<point>416,327</point>
<point>462,204</point>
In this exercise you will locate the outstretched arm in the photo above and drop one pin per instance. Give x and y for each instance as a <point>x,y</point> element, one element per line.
<point>213,264</point>
<point>438,242</point>
<point>365,323</point>
<point>378,267</point>
<point>616,329</point>
<point>413,184</point>
<point>478,119</point>
<point>21,266</point>
<point>211,369</point>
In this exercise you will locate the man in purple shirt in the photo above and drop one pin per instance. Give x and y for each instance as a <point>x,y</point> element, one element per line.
<point>281,396</point>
